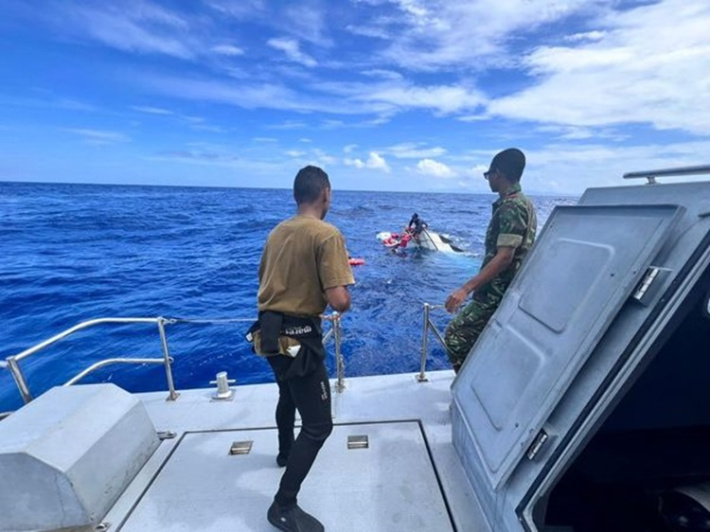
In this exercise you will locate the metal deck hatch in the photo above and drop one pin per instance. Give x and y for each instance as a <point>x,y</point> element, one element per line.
<point>584,267</point>
<point>389,486</point>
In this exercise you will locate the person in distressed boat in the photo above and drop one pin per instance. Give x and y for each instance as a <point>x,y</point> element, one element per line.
<point>416,225</point>
<point>304,268</point>
<point>509,237</point>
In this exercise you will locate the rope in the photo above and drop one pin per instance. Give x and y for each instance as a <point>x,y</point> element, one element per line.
<point>329,317</point>
<point>209,320</point>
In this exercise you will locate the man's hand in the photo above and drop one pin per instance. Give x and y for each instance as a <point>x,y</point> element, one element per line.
<point>453,302</point>
<point>502,259</point>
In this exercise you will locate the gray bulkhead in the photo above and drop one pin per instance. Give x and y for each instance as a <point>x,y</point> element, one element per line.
<point>604,285</point>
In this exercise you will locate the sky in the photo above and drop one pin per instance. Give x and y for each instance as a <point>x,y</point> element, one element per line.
<point>385,95</point>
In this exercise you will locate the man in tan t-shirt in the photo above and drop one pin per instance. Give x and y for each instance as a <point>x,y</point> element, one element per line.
<point>304,268</point>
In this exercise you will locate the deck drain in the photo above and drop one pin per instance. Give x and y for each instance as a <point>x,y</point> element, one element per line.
<point>358,442</point>
<point>241,447</point>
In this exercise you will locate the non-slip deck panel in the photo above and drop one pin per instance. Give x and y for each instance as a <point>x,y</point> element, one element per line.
<point>389,486</point>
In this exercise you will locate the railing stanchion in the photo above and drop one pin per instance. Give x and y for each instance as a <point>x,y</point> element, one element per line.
<point>438,335</point>
<point>422,371</point>
<point>19,379</point>
<point>339,364</point>
<point>173,395</point>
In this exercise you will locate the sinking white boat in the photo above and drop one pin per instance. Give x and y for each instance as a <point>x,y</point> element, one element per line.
<point>582,407</point>
<point>426,239</point>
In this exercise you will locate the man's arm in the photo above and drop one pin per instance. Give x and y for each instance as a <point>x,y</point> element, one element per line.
<point>502,259</point>
<point>335,272</point>
<point>338,298</point>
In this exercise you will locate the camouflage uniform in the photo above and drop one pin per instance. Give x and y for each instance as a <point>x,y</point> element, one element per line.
<point>513,223</point>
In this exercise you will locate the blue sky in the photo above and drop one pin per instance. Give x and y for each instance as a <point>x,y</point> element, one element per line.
<point>412,95</point>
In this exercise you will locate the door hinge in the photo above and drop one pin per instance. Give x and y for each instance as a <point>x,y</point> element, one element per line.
<point>650,284</point>
<point>537,444</point>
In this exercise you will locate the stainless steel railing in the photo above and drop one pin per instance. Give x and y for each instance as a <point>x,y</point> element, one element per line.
<point>651,175</point>
<point>14,367</point>
<point>12,363</point>
<point>336,332</point>
<point>428,325</point>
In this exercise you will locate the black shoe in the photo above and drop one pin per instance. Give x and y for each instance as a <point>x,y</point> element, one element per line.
<point>293,520</point>
<point>282,459</point>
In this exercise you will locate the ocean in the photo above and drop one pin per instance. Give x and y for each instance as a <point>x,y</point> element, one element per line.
<point>74,252</point>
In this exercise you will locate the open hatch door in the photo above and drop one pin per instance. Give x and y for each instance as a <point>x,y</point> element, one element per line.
<point>583,268</point>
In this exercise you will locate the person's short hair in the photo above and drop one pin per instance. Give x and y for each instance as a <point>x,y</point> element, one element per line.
<point>310,182</point>
<point>510,163</point>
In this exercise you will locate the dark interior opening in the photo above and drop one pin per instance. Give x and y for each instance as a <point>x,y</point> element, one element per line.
<point>631,476</point>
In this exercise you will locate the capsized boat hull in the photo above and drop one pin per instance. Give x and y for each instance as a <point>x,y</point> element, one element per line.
<point>427,239</point>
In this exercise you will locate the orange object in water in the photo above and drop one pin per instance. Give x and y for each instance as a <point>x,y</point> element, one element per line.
<point>356,262</point>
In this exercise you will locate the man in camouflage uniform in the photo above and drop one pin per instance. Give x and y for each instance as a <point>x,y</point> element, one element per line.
<point>510,234</point>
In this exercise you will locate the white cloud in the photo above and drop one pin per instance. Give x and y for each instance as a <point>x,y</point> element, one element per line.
<point>445,99</point>
<point>391,97</point>
<point>374,162</point>
<point>411,150</point>
<point>434,168</point>
<point>585,36</point>
<point>357,163</point>
<point>248,96</point>
<point>382,73</point>
<point>151,110</point>
<point>288,124</point>
<point>305,22</point>
<point>99,137</point>
<point>384,118</point>
<point>208,128</point>
<point>570,169</point>
<point>368,31</point>
<point>332,124</point>
<point>383,99</point>
<point>228,50</point>
<point>295,153</point>
<point>322,158</point>
<point>146,28</point>
<point>644,69</point>
<point>470,35</point>
<point>474,118</point>
<point>292,49</point>
<point>237,8</point>
<point>140,27</point>
<point>580,133</point>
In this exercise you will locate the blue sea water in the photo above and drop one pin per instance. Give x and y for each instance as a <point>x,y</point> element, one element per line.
<point>73,252</point>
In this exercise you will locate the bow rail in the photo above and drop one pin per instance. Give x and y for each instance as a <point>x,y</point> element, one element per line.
<point>11,363</point>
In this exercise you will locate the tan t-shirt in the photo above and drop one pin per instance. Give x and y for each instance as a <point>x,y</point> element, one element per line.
<point>302,257</point>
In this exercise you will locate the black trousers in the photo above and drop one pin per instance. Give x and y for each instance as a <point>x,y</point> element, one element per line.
<point>310,394</point>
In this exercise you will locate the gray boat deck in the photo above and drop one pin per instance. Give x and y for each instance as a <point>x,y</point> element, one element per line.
<point>408,479</point>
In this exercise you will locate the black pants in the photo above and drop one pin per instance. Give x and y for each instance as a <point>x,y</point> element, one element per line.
<point>310,394</point>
